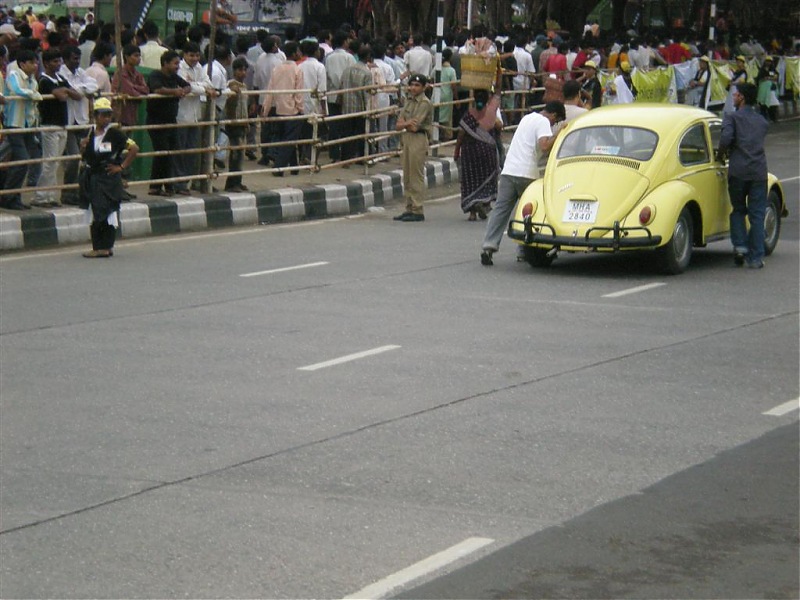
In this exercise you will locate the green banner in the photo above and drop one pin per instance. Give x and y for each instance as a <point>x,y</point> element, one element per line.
<point>793,75</point>
<point>721,75</point>
<point>657,85</point>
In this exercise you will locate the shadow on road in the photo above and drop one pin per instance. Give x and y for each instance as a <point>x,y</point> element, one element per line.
<point>727,528</point>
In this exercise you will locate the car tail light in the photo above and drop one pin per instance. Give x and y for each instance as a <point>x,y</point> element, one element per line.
<point>527,210</point>
<point>647,214</point>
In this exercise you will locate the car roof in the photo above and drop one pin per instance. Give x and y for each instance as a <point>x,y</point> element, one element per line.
<point>657,117</point>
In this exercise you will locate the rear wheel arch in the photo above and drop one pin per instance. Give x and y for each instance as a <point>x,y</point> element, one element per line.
<point>697,222</point>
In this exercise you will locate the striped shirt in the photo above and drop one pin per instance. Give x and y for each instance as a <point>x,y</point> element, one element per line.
<point>21,112</point>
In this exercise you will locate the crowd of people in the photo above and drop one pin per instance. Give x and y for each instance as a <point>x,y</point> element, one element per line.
<point>54,69</point>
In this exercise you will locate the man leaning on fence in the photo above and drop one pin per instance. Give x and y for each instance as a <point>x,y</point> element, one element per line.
<point>314,78</point>
<point>77,115</point>
<point>190,112</point>
<point>236,108</point>
<point>286,76</point>
<point>53,116</point>
<point>130,83</point>
<point>21,114</point>
<point>164,111</point>
<point>335,64</point>
<point>416,122</point>
<point>265,65</point>
<point>355,101</point>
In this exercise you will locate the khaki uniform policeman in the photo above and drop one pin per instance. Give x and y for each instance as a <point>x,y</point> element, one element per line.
<point>416,123</point>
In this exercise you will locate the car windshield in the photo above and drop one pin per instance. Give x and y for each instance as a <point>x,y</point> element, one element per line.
<point>627,142</point>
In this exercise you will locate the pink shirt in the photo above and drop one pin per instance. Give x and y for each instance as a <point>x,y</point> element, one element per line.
<point>286,76</point>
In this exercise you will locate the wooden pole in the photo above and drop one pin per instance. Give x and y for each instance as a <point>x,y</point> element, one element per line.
<point>118,36</point>
<point>211,107</point>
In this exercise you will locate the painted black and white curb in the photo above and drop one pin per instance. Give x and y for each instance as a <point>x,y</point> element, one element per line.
<point>280,205</point>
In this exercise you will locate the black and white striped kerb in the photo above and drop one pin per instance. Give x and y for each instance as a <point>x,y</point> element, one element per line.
<point>280,205</point>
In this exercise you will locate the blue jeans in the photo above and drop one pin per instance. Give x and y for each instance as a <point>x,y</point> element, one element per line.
<point>509,189</point>
<point>748,199</point>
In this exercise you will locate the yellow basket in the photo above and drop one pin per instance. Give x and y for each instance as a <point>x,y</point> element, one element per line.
<point>478,72</point>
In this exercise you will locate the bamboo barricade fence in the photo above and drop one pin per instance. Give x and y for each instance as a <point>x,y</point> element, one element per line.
<point>317,143</point>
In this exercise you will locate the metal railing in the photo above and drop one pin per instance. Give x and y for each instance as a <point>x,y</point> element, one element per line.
<point>318,142</point>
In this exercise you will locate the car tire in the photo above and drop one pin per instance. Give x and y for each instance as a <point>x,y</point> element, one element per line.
<point>677,253</point>
<point>537,257</point>
<point>772,222</point>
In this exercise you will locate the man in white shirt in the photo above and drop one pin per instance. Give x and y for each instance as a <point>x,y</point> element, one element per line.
<point>77,114</point>
<point>533,136</point>
<point>335,64</point>
<point>314,78</point>
<point>103,53</point>
<point>521,82</point>
<point>265,64</point>
<point>395,59</point>
<point>573,106</point>
<point>385,122</point>
<point>256,50</point>
<point>151,50</point>
<point>419,58</point>
<point>219,81</point>
<point>90,35</point>
<point>638,56</point>
<point>190,111</point>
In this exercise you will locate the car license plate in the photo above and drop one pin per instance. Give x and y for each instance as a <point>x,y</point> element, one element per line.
<point>580,211</point>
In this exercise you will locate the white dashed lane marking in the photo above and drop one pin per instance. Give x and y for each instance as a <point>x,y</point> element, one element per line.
<point>784,409</point>
<point>284,269</point>
<point>348,358</point>
<point>635,290</point>
<point>385,586</point>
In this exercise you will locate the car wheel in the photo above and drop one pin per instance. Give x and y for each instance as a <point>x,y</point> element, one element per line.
<point>772,222</point>
<point>677,254</point>
<point>537,257</point>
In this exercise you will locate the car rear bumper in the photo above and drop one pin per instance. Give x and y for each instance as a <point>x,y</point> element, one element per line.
<point>534,233</point>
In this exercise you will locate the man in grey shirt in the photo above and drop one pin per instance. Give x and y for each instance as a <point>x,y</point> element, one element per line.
<point>743,134</point>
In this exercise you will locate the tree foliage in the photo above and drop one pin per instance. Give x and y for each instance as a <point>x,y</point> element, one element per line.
<point>752,16</point>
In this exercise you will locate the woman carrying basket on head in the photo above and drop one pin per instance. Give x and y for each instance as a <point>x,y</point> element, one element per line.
<point>478,148</point>
<point>481,150</point>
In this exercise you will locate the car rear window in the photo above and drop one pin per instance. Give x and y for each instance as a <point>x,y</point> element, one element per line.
<point>626,142</point>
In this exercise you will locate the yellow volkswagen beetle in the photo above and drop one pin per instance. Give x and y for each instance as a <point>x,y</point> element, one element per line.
<point>634,177</point>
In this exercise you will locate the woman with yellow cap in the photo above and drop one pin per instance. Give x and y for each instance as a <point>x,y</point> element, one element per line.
<point>622,90</point>
<point>700,85</point>
<point>739,76</point>
<point>591,88</point>
<point>106,153</point>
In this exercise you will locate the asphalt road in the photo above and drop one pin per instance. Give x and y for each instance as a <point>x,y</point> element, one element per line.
<point>199,417</point>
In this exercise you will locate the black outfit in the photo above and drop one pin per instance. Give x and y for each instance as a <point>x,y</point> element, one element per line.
<point>595,90</point>
<point>53,111</point>
<point>101,191</point>
<point>163,111</point>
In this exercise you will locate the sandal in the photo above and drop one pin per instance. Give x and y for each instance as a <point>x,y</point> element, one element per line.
<point>472,217</point>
